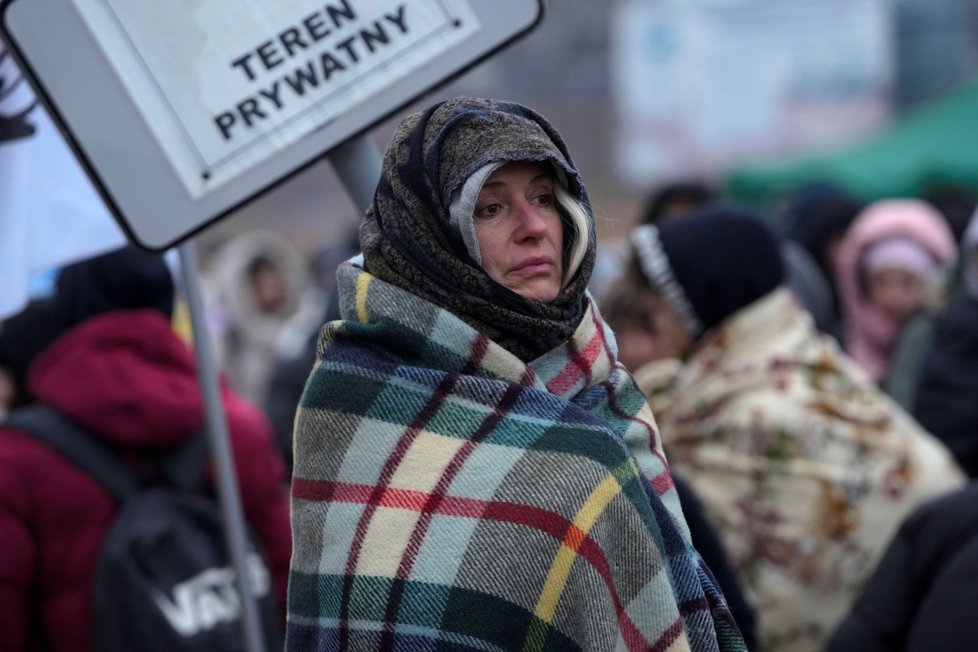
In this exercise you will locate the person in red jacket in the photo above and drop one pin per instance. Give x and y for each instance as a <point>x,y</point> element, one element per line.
<point>121,372</point>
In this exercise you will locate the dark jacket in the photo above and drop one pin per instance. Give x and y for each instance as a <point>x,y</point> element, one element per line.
<point>922,595</point>
<point>947,392</point>
<point>127,377</point>
<point>288,379</point>
<point>708,544</point>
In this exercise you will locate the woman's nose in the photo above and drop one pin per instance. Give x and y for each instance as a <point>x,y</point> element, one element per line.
<point>531,223</point>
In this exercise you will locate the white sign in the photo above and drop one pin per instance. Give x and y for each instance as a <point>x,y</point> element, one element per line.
<point>222,85</point>
<point>704,84</point>
<point>181,111</point>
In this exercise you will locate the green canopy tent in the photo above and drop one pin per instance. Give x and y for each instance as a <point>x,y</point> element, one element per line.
<point>935,146</point>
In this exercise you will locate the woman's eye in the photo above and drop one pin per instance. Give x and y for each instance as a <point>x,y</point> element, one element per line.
<point>488,211</point>
<point>545,199</point>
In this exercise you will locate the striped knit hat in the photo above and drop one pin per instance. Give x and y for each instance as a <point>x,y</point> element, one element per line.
<point>709,264</point>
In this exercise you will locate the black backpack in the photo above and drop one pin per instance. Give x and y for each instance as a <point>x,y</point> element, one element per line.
<point>164,581</point>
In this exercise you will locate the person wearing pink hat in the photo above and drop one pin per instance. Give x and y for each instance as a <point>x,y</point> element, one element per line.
<point>894,251</point>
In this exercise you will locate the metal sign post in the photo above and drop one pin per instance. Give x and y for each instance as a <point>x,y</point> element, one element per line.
<point>357,164</point>
<point>220,447</point>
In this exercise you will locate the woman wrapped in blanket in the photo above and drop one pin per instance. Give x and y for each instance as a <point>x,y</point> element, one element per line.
<point>474,470</point>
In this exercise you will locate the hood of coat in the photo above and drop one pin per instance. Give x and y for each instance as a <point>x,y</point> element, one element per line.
<point>869,333</point>
<point>882,220</point>
<point>124,375</point>
<point>227,276</point>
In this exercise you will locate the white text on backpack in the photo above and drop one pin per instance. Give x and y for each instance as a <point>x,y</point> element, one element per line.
<point>210,598</point>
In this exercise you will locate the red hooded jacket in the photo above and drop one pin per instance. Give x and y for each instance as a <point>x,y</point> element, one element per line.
<point>127,377</point>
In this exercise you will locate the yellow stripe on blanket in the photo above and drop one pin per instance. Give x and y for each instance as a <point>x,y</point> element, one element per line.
<point>553,587</point>
<point>363,281</point>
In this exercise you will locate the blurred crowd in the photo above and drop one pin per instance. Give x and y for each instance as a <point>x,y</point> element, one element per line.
<point>812,372</point>
<point>811,369</point>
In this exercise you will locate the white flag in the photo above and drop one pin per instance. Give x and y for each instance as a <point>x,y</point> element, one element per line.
<point>50,215</point>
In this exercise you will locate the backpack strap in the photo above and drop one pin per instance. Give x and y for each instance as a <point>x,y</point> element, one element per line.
<point>183,468</point>
<point>75,443</point>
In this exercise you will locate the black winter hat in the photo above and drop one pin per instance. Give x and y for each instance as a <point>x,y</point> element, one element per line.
<point>711,263</point>
<point>816,214</point>
<point>22,338</point>
<point>127,279</point>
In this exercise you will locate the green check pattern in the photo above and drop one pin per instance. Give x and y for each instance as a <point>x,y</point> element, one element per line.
<point>448,496</point>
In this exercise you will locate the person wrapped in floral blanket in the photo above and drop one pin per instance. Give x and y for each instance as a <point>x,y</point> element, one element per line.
<point>803,465</point>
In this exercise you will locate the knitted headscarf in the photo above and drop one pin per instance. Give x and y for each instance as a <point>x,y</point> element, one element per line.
<point>408,238</point>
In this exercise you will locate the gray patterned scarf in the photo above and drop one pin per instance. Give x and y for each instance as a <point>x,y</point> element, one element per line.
<point>408,239</point>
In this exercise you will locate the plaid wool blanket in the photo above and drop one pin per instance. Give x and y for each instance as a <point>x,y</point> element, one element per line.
<point>447,496</point>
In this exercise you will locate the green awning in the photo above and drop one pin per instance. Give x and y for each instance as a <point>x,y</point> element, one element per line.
<point>936,145</point>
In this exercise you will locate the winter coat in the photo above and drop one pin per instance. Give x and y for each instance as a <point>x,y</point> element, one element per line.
<point>707,543</point>
<point>804,467</point>
<point>290,372</point>
<point>807,282</point>
<point>947,392</point>
<point>127,378</point>
<point>247,338</point>
<point>922,596</point>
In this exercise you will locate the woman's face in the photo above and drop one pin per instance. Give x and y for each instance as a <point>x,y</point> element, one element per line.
<point>520,232</point>
<point>896,292</point>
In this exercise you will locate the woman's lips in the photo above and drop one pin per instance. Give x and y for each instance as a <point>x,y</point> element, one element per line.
<point>534,266</point>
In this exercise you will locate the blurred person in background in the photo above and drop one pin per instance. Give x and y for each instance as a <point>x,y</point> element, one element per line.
<point>253,285</point>
<point>804,278</point>
<point>890,268</point>
<point>473,468</point>
<point>922,596</point>
<point>666,201</point>
<point>955,203</point>
<point>817,218</point>
<point>946,401</point>
<point>672,201</point>
<point>296,348</point>
<point>22,337</point>
<point>803,466</point>
<point>7,391</point>
<point>707,542</point>
<point>120,371</point>
<point>677,199</point>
